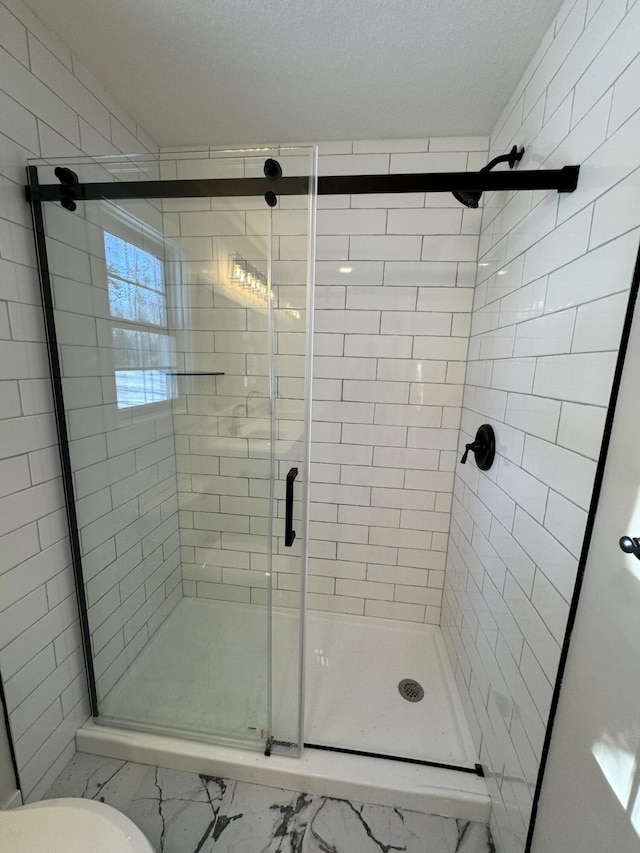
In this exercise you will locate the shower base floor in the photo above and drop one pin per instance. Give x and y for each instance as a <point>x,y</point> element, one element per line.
<point>204,671</point>
<point>354,665</point>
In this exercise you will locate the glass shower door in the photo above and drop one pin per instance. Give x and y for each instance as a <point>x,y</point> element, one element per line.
<point>222,425</point>
<point>180,329</point>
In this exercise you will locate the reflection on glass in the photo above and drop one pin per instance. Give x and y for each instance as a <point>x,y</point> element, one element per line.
<point>129,301</point>
<point>616,758</point>
<point>131,263</point>
<point>618,767</point>
<point>137,294</point>
<point>139,387</point>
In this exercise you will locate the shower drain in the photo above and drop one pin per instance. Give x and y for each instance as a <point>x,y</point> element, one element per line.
<point>411,690</point>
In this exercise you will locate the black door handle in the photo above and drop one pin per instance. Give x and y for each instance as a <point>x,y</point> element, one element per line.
<point>630,546</point>
<point>289,532</point>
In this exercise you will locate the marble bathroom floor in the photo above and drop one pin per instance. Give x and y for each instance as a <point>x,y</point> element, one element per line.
<point>190,813</point>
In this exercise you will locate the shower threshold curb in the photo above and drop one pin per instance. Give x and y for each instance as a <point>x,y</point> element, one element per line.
<point>429,790</point>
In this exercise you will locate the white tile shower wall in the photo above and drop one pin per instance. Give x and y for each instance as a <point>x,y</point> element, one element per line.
<point>394,292</point>
<point>553,279</point>
<point>222,423</point>
<point>50,106</point>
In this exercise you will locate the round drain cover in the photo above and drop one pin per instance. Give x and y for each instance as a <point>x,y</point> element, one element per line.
<point>411,690</point>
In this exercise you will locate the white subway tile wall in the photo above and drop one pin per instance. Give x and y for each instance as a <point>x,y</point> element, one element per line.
<point>552,286</point>
<point>51,106</point>
<point>394,298</point>
<point>222,424</point>
<point>369,328</point>
<point>391,335</point>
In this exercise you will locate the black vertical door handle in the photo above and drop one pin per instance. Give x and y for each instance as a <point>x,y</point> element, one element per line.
<point>289,532</point>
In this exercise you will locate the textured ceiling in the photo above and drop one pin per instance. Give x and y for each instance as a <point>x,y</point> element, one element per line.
<point>262,71</point>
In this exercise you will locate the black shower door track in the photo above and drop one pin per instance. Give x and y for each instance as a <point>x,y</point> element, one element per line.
<point>562,180</point>
<point>476,770</point>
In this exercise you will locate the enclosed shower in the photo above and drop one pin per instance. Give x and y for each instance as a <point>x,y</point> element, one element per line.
<point>179,303</point>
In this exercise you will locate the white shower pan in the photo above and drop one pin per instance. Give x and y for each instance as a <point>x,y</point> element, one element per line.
<point>354,665</point>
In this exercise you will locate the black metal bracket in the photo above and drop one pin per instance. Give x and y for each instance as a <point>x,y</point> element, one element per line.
<point>68,179</point>
<point>273,171</point>
<point>563,180</point>
<point>483,448</point>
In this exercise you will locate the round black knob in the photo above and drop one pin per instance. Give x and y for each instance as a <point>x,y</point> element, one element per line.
<point>628,545</point>
<point>272,169</point>
<point>65,176</point>
<point>271,198</point>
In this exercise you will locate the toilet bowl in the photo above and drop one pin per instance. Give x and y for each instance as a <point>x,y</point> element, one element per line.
<point>69,825</point>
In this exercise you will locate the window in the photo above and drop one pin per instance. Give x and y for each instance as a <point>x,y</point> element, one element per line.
<point>143,355</point>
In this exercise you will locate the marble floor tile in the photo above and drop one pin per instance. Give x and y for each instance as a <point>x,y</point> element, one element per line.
<point>257,818</point>
<point>348,827</point>
<point>183,812</point>
<point>84,776</point>
<point>177,812</point>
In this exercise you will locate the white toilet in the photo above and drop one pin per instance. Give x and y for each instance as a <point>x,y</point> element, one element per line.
<point>69,825</point>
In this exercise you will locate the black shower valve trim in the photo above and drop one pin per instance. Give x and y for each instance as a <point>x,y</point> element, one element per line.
<point>483,448</point>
